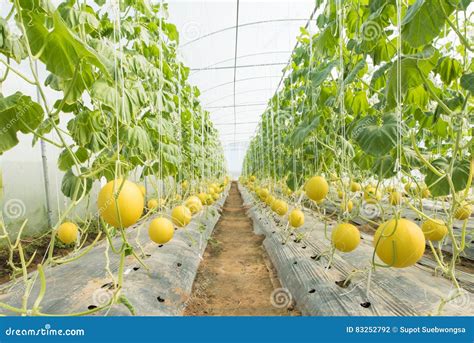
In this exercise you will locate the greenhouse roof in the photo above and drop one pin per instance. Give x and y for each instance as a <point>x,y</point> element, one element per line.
<point>237,56</point>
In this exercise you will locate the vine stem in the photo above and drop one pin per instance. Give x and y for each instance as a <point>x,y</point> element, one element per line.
<point>18,73</point>
<point>463,39</point>
<point>434,95</point>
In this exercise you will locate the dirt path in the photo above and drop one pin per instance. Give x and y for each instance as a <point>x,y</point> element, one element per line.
<point>235,277</point>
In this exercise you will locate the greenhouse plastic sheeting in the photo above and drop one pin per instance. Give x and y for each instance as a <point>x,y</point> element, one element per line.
<point>163,291</point>
<point>408,291</point>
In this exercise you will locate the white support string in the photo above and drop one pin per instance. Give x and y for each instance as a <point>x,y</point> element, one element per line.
<point>399,97</point>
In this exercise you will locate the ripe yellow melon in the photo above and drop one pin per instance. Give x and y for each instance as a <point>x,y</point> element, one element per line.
<point>263,193</point>
<point>347,207</point>
<point>203,197</point>
<point>345,237</point>
<point>395,198</point>
<point>316,188</point>
<point>280,207</point>
<point>434,229</point>
<point>372,195</point>
<point>399,243</point>
<point>409,187</point>
<point>181,216</point>
<point>184,184</point>
<point>161,230</point>
<point>152,204</point>
<point>463,212</point>
<point>355,187</point>
<point>269,200</point>
<point>194,204</point>
<point>296,218</point>
<point>128,208</point>
<point>67,232</point>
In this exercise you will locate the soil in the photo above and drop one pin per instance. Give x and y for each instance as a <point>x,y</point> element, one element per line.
<point>32,245</point>
<point>236,277</point>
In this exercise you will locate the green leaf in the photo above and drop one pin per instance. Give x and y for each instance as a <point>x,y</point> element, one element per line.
<point>359,103</point>
<point>72,88</point>
<point>39,5</point>
<point>378,77</point>
<point>303,130</point>
<point>66,161</point>
<point>363,160</point>
<point>440,186</point>
<point>89,129</point>
<point>129,102</point>
<point>83,18</point>
<point>18,113</point>
<point>325,43</point>
<point>11,45</point>
<point>413,68</point>
<point>171,32</point>
<point>376,136</point>
<point>424,21</point>
<point>357,68</point>
<point>136,138</point>
<point>72,185</point>
<point>58,48</point>
<point>449,69</point>
<point>320,75</point>
<point>417,96</point>
<point>467,82</point>
<point>410,158</point>
<point>384,167</point>
<point>383,51</point>
<point>410,78</point>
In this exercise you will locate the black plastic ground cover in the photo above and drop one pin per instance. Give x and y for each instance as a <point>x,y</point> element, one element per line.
<point>430,208</point>
<point>164,290</point>
<point>317,290</point>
